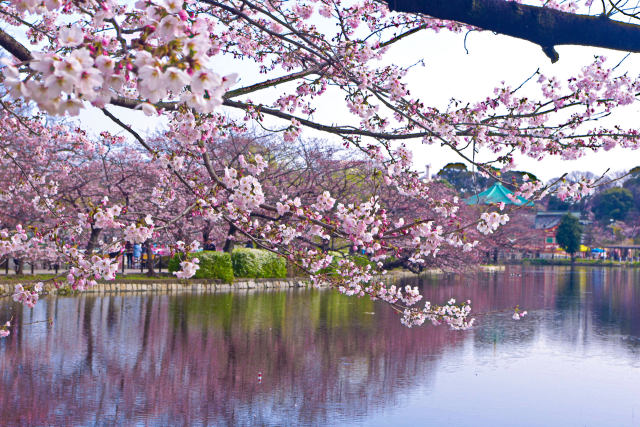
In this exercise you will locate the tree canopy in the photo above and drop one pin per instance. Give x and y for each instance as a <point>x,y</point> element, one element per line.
<point>614,203</point>
<point>208,71</point>
<point>569,234</point>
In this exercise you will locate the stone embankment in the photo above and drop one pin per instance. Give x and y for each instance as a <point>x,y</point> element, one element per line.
<point>207,286</point>
<point>187,286</point>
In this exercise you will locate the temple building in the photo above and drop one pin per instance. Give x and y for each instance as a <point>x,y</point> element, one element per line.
<point>496,194</point>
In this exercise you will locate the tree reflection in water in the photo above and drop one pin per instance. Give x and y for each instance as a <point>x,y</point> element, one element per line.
<point>324,358</point>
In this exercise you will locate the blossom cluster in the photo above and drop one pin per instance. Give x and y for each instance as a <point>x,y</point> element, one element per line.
<point>324,202</point>
<point>575,190</point>
<point>173,65</point>
<point>141,232</point>
<point>187,269</point>
<point>106,218</point>
<point>392,294</point>
<point>254,168</point>
<point>490,221</point>
<point>4,329</point>
<point>28,297</point>
<point>88,270</point>
<point>361,222</point>
<point>427,239</point>
<point>452,314</point>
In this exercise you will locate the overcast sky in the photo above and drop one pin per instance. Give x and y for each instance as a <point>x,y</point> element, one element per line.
<point>452,72</point>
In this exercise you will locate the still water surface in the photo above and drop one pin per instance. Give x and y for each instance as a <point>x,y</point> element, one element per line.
<point>326,359</point>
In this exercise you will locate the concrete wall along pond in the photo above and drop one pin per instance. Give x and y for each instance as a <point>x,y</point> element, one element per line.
<point>175,287</point>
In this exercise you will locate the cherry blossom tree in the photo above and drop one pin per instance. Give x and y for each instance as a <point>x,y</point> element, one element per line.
<point>306,167</point>
<point>210,69</point>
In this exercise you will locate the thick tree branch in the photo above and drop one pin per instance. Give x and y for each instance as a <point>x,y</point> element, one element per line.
<point>14,47</point>
<point>541,25</point>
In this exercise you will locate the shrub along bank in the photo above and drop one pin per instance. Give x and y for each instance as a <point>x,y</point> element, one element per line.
<point>258,263</point>
<point>213,265</point>
<point>244,262</point>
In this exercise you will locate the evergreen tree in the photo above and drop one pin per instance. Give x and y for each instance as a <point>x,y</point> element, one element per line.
<point>569,234</point>
<point>613,203</point>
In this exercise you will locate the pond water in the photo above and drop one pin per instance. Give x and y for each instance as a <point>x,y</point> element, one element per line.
<point>325,359</point>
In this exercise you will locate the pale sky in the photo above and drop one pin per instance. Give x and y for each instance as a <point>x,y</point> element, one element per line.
<point>451,72</point>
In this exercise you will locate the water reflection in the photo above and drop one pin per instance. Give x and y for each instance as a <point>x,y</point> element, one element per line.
<point>327,359</point>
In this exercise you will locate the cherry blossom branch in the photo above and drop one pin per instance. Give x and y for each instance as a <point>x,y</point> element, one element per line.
<point>145,145</point>
<point>14,47</point>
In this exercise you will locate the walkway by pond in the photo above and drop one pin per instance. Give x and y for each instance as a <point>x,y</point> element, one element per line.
<point>312,357</point>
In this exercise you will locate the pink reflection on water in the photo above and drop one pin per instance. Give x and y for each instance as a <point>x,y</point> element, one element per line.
<point>319,357</point>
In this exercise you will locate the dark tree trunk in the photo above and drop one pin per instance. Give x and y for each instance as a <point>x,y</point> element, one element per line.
<point>206,231</point>
<point>20,267</point>
<point>229,243</point>
<point>93,239</point>
<point>150,270</point>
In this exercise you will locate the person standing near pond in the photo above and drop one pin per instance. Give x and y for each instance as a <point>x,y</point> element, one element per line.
<point>137,253</point>
<point>128,251</point>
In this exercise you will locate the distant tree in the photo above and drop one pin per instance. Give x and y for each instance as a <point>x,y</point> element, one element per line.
<point>556,204</point>
<point>457,166</point>
<point>469,182</point>
<point>613,203</point>
<point>633,185</point>
<point>463,180</point>
<point>569,234</point>
<point>518,177</point>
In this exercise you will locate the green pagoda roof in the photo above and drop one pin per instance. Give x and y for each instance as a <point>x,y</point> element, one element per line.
<point>497,193</point>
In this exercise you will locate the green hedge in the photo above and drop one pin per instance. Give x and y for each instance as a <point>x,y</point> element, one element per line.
<point>244,262</point>
<point>213,265</point>
<point>359,260</point>
<point>258,263</point>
